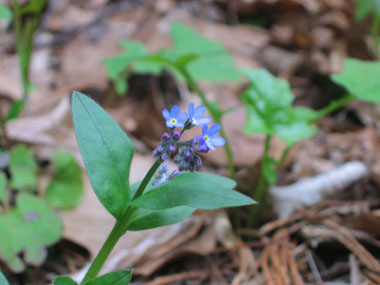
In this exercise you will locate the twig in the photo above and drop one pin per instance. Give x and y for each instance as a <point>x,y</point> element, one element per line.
<point>313,267</point>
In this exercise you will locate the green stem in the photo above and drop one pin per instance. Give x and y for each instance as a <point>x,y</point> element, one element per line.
<point>283,156</point>
<point>217,118</point>
<point>375,34</point>
<point>146,179</point>
<point>119,228</point>
<point>334,105</point>
<point>260,192</point>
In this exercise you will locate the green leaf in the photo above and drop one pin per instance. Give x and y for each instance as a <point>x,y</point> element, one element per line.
<point>15,109</point>
<point>107,153</point>
<point>144,219</point>
<point>268,101</point>
<point>23,169</point>
<point>196,190</point>
<point>64,280</point>
<point>121,277</point>
<point>366,7</point>
<point>8,252</point>
<point>3,188</point>
<point>213,61</point>
<point>34,226</point>
<point>65,191</point>
<point>5,12</point>
<point>361,79</point>
<point>29,227</point>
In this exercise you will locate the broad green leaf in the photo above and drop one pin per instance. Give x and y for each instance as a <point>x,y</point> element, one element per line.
<point>65,191</point>
<point>29,228</point>
<point>361,79</point>
<point>196,190</point>
<point>3,188</point>
<point>121,277</point>
<point>3,280</point>
<point>107,153</point>
<point>268,101</point>
<point>144,219</point>
<point>34,226</point>
<point>5,12</point>
<point>23,169</point>
<point>213,62</point>
<point>8,252</point>
<point>64,280</point>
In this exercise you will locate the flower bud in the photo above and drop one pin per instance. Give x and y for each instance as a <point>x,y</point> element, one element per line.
<point>165,137</point>
<point>176,135</point>
<point>172,148</point>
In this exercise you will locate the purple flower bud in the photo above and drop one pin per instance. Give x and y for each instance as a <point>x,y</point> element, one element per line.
<point>164,156</point>
<point>197,160</point>
<point>155,153</point>
<point>172,148</point>
<point>163,168</point>
<point>165,137</point>
<point>176,135</point>
<point>160,148</point>
<point>174,174</point>
<point>188,154</point>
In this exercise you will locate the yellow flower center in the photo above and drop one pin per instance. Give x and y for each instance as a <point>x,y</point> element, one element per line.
<point>206,138</point>
<point>173,121</point>
<point>196,143</point>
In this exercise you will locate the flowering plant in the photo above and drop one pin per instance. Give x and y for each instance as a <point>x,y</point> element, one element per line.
<point>168,198</point>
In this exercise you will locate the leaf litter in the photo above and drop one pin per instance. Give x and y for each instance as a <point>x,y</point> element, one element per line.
<point>305,41</point>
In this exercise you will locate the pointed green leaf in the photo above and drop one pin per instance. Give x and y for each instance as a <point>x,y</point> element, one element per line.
<point>3,188</point>
<point>65,191</point>
<point>196,190</point>
<point>64,280</point>
<point>15,109</point>
<point>144,219</point>
<point>361,79</point>
<point>23,169</point>
<point>107,153</point>
<point>121,277</point>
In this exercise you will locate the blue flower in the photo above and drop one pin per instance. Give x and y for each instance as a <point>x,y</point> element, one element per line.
<point>199,144</point>
<point>195,116</point>
<point>174,119</point>
<point>210,138</point>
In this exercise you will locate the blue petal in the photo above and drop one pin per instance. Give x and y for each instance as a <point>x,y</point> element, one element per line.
<point>204,121</point>
<point>169,124</point>
<point>191,110</point>
<point>204,130</point>
<point>179,125</point>
<point>166,114</point>
<point>210,146</point>
<point>214,130</point>
<point>182,117</point>
<point>218,141</point>
<point>199,111</point>
<point>174,111</point>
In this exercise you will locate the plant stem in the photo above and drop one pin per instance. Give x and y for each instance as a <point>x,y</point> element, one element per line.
<point>375,26</point>
<point>217,118</point>
<point>336,104</point>
<point>119,228</point>
<point>259,195</point>
<point>146,179</point>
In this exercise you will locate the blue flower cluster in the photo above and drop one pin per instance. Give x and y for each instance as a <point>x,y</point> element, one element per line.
<point>186,151</point>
